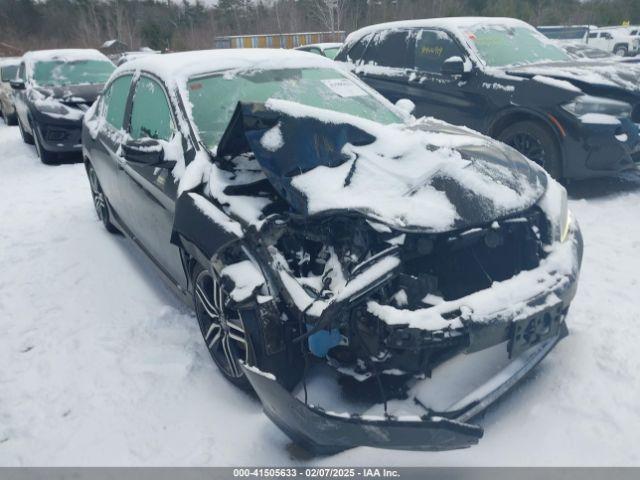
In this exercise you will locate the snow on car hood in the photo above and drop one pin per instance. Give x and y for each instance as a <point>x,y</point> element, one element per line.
<point>72,93</point>
<point>583,73</point>
<point>424,176</point>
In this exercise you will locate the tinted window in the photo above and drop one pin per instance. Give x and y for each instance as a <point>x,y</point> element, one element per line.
<point>115,100</point>
<point>9,72</point>
<point>150,114</point>
<point>356,52</point>
<point>391,49</point>
<point>593,35</point>
<point>432,48</point>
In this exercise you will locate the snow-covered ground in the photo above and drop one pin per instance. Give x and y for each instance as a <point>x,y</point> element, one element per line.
<point>101,365</point>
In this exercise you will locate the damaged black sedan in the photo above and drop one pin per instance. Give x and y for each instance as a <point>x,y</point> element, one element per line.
<point>375,279</point>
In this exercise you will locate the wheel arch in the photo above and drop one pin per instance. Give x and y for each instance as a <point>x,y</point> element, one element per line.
<point>624,45</point>
<point>511,116</point>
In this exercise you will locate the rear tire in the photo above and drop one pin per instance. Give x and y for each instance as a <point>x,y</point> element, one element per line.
<point>621,51</point>
<point>100,202</point>
<point>45,156</point>
<point>26,137</point>
<point>537,143</point>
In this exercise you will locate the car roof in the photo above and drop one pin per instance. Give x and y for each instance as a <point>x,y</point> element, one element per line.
<point>321,46</point>
<point>65,54</point>
<point>447,23</point>
<point>9,61</point>
<point>188,64</point>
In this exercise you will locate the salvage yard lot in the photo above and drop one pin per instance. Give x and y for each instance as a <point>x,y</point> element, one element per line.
<point>101,365</point>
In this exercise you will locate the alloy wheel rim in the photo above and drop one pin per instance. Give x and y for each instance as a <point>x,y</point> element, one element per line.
<point>222,327</point>
<point>99,202</point>
<point>529,146</point>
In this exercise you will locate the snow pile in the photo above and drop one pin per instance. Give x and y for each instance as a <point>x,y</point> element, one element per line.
<point>55,108</point>
<point>272,140</point>
<point>246,279</point>
<point>554,82</point>
<point>617,75</point>
<point>215,214</point>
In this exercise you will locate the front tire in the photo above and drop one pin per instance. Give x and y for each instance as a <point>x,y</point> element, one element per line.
<point>11,120</point>
<point>621,51</point>
<point>45,156</point>
<point>100,202</point>
<point>222,327</point>
<point>537,143</point>
<point>259,339</point>
<point>26,137</point>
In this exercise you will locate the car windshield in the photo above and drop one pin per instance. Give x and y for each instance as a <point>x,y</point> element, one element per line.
<point>56,72</point>
<point>214,98</point>
<point>331,52</point>
<point>500,46</point>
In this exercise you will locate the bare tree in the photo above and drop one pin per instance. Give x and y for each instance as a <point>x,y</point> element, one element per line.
<point>330,13</point>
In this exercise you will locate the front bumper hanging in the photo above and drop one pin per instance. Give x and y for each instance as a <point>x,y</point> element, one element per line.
<point>527,339</point>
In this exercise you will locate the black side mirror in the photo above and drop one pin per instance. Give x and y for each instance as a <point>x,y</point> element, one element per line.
<point>17,84</point>
<point>453,66</point>
<point>146,151</point>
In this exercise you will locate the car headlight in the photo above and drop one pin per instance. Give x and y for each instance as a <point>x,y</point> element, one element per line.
<point>555,204</point>
<point>589,104</point>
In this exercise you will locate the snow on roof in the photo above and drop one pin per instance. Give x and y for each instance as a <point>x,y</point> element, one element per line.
<point>65,55</point>
<point>322,46</point>
<point>449,23</point>
<point>188,64</point>
<point>9,61</point>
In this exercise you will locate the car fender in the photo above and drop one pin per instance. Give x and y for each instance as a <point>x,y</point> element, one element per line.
<point>201,228</point>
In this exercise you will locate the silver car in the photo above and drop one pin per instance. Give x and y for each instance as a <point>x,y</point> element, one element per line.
<point>8,70</point>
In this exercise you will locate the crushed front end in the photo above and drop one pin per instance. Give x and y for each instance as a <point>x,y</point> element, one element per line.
<point>411,294</point>
<point>417,303</point>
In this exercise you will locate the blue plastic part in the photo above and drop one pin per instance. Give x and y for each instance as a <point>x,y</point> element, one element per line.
<point>321,342</point>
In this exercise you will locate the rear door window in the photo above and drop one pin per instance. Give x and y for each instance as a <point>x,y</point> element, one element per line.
<point>432,48</point>
<point>391,48</point>
<point>150,114</point>
<point>115,99</point>
<point>8,73</point>
<point>357,51</point>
